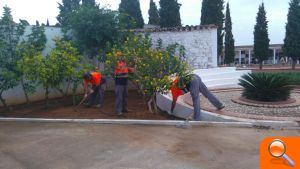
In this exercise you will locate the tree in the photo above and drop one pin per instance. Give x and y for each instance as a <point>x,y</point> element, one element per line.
<point>93,27</point>
<point>34,45</point>
<point>152,67</point>
<point>292,36</point>
<point>10,34</point>
<point>61,64</point>
<point>66,8</point>
<point>212,13</point>
<point>47,24</point>
<point>229,40</point>
<point>37,38</point>
<point>89,2</point>
<point>169,13</point>
<point>261,39</point>
<point>153,14</point>
<point>131,10</point>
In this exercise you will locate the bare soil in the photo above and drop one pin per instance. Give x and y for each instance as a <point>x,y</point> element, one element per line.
<point>63,108</point>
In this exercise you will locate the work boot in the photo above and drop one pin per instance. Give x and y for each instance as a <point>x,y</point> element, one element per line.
<point>87,104</point>
<point>98,105</point>
<point>221,107</point>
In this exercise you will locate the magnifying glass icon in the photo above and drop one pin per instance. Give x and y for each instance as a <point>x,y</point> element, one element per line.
<point>277,149</point>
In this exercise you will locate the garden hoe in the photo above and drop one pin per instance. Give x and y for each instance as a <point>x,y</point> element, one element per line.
<point>83,99</point>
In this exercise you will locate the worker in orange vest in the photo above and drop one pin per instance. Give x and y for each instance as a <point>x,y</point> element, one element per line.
<point>94,78</point>
<point>121,85</point>
<point>193,84</point>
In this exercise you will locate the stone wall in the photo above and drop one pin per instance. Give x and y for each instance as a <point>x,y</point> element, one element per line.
<point>200,43</point>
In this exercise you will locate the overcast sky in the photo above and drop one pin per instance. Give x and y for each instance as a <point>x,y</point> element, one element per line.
<point>243,13</point>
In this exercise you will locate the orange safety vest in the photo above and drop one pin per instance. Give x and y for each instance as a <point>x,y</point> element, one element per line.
<point>121,69</point>
<point>95,80</point>
<point>176,91</point>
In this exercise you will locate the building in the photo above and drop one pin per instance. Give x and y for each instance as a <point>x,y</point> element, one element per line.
<point>244,54</point>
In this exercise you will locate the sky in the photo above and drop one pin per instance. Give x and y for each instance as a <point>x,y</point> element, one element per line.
<point>243,14</point>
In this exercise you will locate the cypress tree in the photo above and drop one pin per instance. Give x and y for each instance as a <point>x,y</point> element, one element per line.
<point>132,9</point>
<point>229,40</point>
<point>212,13</point>
<point>153,14</point>
<point>47,23</point>
<point>89,2</point>
<point>261,39</point>
<point>65,12</point>
<point>169,13</point>
<point>292,36</point>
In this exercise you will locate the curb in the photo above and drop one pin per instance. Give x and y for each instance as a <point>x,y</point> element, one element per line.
<point>250,124</point>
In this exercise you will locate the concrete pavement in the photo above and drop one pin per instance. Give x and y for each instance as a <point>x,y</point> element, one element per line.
<point>26,145</point>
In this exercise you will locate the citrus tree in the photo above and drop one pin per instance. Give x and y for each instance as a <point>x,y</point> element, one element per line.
<point>61,65</point>
<point>152,67</point>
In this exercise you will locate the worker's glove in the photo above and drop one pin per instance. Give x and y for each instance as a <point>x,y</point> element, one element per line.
<point>85,95</point>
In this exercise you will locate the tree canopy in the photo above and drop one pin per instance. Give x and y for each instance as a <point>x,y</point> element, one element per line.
<point>169,13</point>
<point>131,10</point>
<point>261,36</point>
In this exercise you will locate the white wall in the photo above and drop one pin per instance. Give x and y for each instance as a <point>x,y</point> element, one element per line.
<point>200,45</point>
<point>201,51</point>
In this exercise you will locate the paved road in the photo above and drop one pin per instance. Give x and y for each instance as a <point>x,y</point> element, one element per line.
<point>82,146</point>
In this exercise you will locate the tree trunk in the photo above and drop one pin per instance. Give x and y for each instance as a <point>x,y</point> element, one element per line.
<point>294,64</point>
<point>60,91</point>
<point>67,88</point>
<point>154,103</point>
<point>24,90</point>
<point>150,106</point>
<point>3,101</point>
<point>260,65</point>
<point>46,98</point>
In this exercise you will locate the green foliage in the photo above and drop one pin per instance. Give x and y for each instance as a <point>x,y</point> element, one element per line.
<point>292,36</point>
<point>93,27</point>
<point>152,67</point>
<point>66,8</point>
<point>169,13</point>
<point>50,71</point>
<point>294,77</point>
<point>153,14</point>
<point>10,34</point>
<point>261,37</point>
<point>132,11</point>
<point>89,2</point>
<point>265,87</point>
<point>229,41</point>
<point>34,44</point>
<point>37,38</point>
<point>212,13</point>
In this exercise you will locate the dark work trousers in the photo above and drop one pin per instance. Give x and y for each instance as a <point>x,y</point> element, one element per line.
<point>121,98</point>
<point>197,86</point>
<point>96,93</point>
<point>101,94</point>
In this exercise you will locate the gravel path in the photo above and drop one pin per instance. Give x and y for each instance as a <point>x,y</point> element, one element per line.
<point>226,97</point>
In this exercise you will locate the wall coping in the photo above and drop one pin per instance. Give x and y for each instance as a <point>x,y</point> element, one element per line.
<point>186,28</point>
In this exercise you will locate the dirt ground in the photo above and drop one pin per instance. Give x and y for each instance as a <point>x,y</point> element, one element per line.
<point>63,108</point>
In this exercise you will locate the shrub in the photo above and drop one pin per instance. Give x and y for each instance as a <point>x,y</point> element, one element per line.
<point>265,87</point>
<point>152,67</point>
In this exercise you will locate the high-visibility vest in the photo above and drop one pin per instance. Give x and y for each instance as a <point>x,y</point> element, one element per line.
<point>95,79</point>
<point>121,70</point>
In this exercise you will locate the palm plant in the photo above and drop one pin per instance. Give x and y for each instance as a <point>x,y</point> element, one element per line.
<point>265,87</point>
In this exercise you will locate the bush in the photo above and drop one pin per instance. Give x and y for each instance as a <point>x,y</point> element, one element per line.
<point>152,67</point>
<point>265,87</point>
<point>293,76</point>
